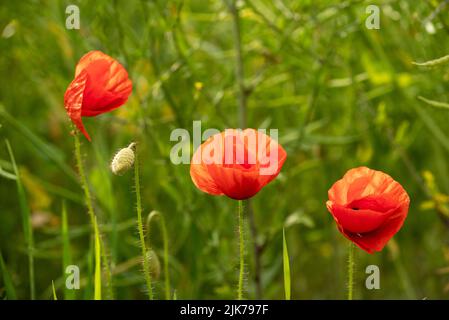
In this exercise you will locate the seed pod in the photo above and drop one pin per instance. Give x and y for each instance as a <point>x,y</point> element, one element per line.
<point>123,160</point>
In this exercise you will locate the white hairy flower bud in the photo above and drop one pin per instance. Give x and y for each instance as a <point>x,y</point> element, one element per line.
<point>123,160</point>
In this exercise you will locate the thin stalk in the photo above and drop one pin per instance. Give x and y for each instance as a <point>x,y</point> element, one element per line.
<point>83,180</point>
<point>351,264</point>
<point>146,267</point>
<point>165,244</point>
<point>90,209</point>
<point>241,251</point>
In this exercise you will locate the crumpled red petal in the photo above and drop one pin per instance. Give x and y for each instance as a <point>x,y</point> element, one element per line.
<point>73,100</point>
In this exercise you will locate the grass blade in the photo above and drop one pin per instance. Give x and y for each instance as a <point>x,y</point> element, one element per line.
<point>54,291</point>
<point>286,262</point>
<point>26,222</point>
<point>9,286</point>
<point>97,274</point>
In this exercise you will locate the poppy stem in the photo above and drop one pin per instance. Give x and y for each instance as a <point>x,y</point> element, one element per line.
<point>351,265</point>
<point>83,180</point>
<point>241,251</point>
<point>145,256</point>
<point>91,212</point>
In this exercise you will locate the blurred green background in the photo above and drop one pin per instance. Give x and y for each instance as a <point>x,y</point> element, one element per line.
<point>340,94</point>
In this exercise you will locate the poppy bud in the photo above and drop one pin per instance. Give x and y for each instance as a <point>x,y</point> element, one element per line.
<point>123,160</point>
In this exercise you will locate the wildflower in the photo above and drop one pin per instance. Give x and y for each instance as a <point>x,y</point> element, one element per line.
<point>101,84</point>
<point>369,207</point>
<point>236,163</point>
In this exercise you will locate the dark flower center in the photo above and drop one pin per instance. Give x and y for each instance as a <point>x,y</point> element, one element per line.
<point>355,209</point>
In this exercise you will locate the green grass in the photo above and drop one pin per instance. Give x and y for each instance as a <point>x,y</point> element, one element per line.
<point>26,222</point>
<point>66,250</point>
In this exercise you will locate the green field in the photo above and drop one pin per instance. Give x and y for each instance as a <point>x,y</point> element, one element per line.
<point>340,94</point>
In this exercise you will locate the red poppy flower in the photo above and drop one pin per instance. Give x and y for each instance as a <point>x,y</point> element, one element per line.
<point>369,207</point>
<point>101,84</point>
<point>236,163</point>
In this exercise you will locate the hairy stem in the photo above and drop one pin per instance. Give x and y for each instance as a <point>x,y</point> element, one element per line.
<point>83,180</point>
<point>90,210</point>
<point>242,97</point>
<point>351,264</point>
<point>241,251</point>
<point>145,262</point>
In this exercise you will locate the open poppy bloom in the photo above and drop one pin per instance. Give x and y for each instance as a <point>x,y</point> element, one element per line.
<point>101,84</point>
<point>368,206</point>
<point>236,163</point>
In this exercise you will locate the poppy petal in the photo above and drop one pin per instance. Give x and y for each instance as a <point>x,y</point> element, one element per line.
<point>105,90</point>
<point>201,177</point>
<point>236,184</point>
<point>357,221</point>
<point>378,239</point>
<point>73,100</point>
